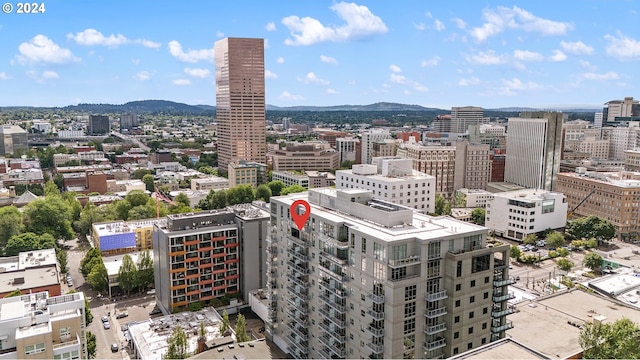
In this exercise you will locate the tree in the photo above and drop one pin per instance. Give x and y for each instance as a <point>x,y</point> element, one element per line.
<point>128,274</point>
<point>27,242</point>
<point>292,189</point>
<point>555,240</point>
<point>593,261</point>
<point>58,179</point>
<point>347,164</point>
<point>263,192</point>
<point>76,208</point>
<point>137,198</point>
<point>98,277</point>
<point>91,345</point>
<point>85,263</point>
<point>276,187</point>
<point>145,270</point>
<point>51,189</point>
<point>51,215</point>
<point>241,329</point>
<point>140,173</point>
<point>219,200</point>
<point>225,325</point>
<point>183,199</point>
<point>62,257</point>
<point>10,224</point>
<point>530,239</point>
<point>565,264</point>
<point>515,252</point>
<point>618,340</point>
<point>478,216</point>
<point>177,344</point>
<point>15,292</point>
<point>149,184</point>
<point>592,227</point>
<point>563,252</point>
<point>88,316</point>
<point>442,206</point>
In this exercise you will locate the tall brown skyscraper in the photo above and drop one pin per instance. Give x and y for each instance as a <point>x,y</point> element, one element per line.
<point>240,101</point>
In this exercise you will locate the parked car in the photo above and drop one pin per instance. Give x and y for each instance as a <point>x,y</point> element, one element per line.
<point>122,315</point>
<point>105,319</point>
<point>114,347</point>
<point>106,325</point>
<point>151,292</point>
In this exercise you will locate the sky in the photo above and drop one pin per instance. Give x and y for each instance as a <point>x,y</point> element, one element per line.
<point>542,54</point>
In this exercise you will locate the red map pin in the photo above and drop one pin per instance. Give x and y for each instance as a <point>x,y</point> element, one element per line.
<point>300,219</point>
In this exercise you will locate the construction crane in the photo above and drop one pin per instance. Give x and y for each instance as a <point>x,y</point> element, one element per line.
<point>570,213</point>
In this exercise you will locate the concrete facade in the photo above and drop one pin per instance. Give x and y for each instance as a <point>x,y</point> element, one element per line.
<point>13,140</point>
<point>437,161</point>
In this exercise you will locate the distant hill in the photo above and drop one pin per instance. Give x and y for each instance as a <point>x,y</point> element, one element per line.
<point>380,106</point>
<point>143,106</point>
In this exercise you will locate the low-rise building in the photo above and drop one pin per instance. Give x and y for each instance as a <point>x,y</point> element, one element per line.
<point>316,156</point>
<point>113,263</point>
<point>42,326</point>
<point>516,214</point>
<point>472,198</point>
<point>209,183</point>
<point>320,179</point>
<point>632,160</point>
<point>393,180</point>
<point>30,272</point>
<point>118,237</point>
<point>247,172</point>
<point>125,185</point>
<point>291,178</point>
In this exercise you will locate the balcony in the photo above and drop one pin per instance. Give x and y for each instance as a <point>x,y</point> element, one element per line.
<point>333,275</point>
<point>328,353</point>
<point>298,347</point>
<point>299,331</point>
<point>436,344</point>
<point>298,268</point>
<point>300,320</point>
<point>435,313</point>
<point>435,296</point>
<point>409,260</point>
<point>497,263</point>
<point>498,329</point>
<point>325,285</point>
<point>298,255</point>
<point>501,313</point>
<point>434,329</point>
<point>334,259</point>
<point>376,315</point>
<point>296,280</point>
<point>500,283</point>
<point>377,299</point>
<point>375,348</point>
<point>332,303</point>
<point>302,307</point>
<point>74,342</point>
<point>500,296</point>
<point>299,294</point>
<point>375,332</point>
<point>338,322</point>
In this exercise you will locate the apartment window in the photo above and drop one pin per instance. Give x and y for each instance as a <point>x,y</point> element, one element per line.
<point>455,351</point>
<point>409,309</point>
<point>486,279</point>
<point>484,341</point>
<point>459,268</point>
<point>473,283</point>
<point>73,355</point>
<point>456,334</point>
<point>34,349</point>
<point>458,287</point>
<point>410,293</point>
<point>362,313</point>
<point>471,314</point>
<point>471,330</point>
<point>351,336</point>
<point>484,326</point>
<point>364,245</point>
<point>485,310</point>
<point>456,319</point>
<point>65,333</point>
<point>351,305</point>
<point>470,346</point>
<point>486,295</point>
<point>457,303</point>
<point>409,326</point>
<point>472,299</point>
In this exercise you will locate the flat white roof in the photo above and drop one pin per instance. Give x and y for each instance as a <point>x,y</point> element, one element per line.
<point>12,310</point>
<point>415,175</point>
<point>526,194</point>
<point>119,227</point>
<point>616,284</point>
<point>113,263</point>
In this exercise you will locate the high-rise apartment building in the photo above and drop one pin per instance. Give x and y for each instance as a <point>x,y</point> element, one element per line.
<point>393,180</point>
<point>366,278</point>
<point>616,109</point>
<point>622,139</point>
<point>210,254</point>
<point>369,137</point>
<point>36,326</point>
<point>128,121</point>
<point>240,101</point>
<point>534,148</point>
<point>473,166</point>
<point>597,120</point>
<point>437,161</point>
<point>346,147</point>
<point>462,117</point>
<point>13,140</point>
<point>98,125</point>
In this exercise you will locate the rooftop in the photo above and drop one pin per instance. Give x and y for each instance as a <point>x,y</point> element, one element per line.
<point>118,227</point>
<point>29,278</point>
<point>503,186</point>
<point>113,262</point>
<point>12,129</point>
<point>259,349</point>
<point>526,194</point>
<point>505,348</point>
<point>623,179</point>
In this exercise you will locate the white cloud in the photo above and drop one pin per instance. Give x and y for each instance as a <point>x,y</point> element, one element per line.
<point>605,76</point>
<point>360,23</point>
<point>398,79</point>
<point>328,59</point>
<point>148,43</point>
<point>577,48</point>
<point>331,91</point>
<point>181,82</point>
<point>421,88</point>
<point>280,60</point>
<point>191,56</point>
<point>142,76</point>
<point>428,14</point>
<point>271,26</point>
<point>526,55</point>
<point>460,24</point>
<point>488,57</point>
<point>270,75</point>
<point>4,76</point>
<point>420,26</point>
<point>622,47</point>
<point>42,77</point>
<point>266,43</point>
<point>91,37</point>
<point>501,18</point>
<point>510,87</point>
<point>288,96</point>
<point>43,49</point>
<point>558,56</point>
<point>439,25</point>
<point>220,34</point>
<point>434,61</point>
<point>469,82</point>
<point>196,72</point>
<point>587,65</point>
<point>311,78</point>
<point>135,62</point>
<point>395,68</point>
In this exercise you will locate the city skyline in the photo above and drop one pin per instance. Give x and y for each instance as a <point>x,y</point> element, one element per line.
<point>490,54</point>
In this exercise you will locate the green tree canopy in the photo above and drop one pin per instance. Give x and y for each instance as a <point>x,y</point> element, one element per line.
<point>149,184</point>
<point>10,224</point>
<point>241,329</point>
<point>27,242</point>
<point>276,187</point>
<point>530,239</point>
<point>555,239</point>
<point>478,216</point>
<point>591,227</point>
<point>52,215</point>
<point>14,293</point>
<point>98,277</point>
<point>565,264</point>
<point>292,189</point>
<point>442,206</point>
<point>85,263</point>
<point>183,199</point>
<point>62,258</point>
<point>618,340</point>
<point>145,270</point>
<point>225,324</point>
<point>177,344</point>
<point>127,274</point>
<point>515,252</point>
<point>92,346</point>
<point>137,198</point>
<point>241,194</point>
<point>593,261</point>
<point>263,192</point>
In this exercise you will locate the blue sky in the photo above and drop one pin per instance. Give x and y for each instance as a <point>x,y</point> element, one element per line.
<point>541,54</point>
